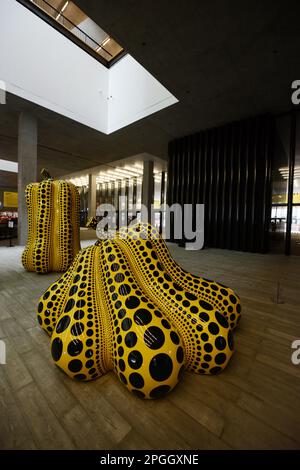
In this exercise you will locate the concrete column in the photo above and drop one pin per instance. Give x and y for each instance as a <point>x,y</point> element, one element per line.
<point>27,168</point>
<point>148,188</point>
<point>92,196</point>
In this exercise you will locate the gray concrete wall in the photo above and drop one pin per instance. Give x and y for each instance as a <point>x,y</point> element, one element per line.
<point>27,170</point>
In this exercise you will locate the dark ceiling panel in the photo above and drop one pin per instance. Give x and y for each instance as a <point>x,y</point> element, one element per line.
<point>223,60</point>
<point>8,180</point>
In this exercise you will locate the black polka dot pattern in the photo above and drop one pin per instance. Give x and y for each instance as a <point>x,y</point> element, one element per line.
<point>186,300</point>
<point>123,306</point>
<point>216,296</point>
<point>53,226</point>
<point>142,341</point>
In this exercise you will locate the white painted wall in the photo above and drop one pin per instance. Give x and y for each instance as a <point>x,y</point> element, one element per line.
<point>41,65</point>
<point>133,94</point>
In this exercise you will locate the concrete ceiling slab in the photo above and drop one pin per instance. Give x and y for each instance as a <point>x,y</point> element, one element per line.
<point>222,60</point>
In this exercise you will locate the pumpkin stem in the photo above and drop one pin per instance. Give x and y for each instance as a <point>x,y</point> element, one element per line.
<point>45,174</point>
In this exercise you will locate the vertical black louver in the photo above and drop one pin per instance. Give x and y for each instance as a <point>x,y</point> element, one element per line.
<point>229,170</point>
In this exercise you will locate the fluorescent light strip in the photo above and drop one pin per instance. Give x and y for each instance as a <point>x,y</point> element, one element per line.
<point>64,7</point>
<point>119,173</point>
<point>102,44</point>
<point>62,10</point>
<point>110,174</point>
<point>102,180</point>
<point>105,41</point>
<point>133,169</point>
<point>80,181</point>
<point>6,165</point>
<point>286,168</point>
<point>122,172</point>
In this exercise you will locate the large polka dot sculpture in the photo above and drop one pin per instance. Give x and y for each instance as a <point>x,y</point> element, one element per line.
<point>143,246</point>
<point>53,226</point>
<point>125,305</point>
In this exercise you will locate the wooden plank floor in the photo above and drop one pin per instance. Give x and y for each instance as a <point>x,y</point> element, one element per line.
<point>254,404</point>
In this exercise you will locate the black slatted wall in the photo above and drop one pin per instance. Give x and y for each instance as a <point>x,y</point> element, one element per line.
<point>229,170</point>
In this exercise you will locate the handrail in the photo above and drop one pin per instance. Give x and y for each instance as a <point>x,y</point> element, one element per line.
<point>40,3</point>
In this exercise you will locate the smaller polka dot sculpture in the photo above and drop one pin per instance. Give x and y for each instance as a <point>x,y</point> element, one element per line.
<point>53,225</point>
<point>125,305</point>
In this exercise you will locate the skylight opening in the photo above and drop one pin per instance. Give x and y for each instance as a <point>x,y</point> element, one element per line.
<point>76,22</point>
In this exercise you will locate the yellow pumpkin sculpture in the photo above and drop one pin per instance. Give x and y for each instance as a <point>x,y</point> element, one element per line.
<point>220,297</point>
<point>122,308</point>
<point>53,225</point>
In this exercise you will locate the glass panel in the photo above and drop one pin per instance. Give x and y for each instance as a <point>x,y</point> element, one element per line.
<point>295,230</point>
<point>157,190</point>
<point>98,194</point>
<point>139,194</point>
<point>131,213</point>
<point>117,183</point>
<point>122,206</point>
<point>83,193</point>
<point>280,185</point>
<point>166,186</point>
<point>159,199</point>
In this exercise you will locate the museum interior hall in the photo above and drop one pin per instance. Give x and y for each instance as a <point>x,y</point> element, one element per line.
<point>149,225</point>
